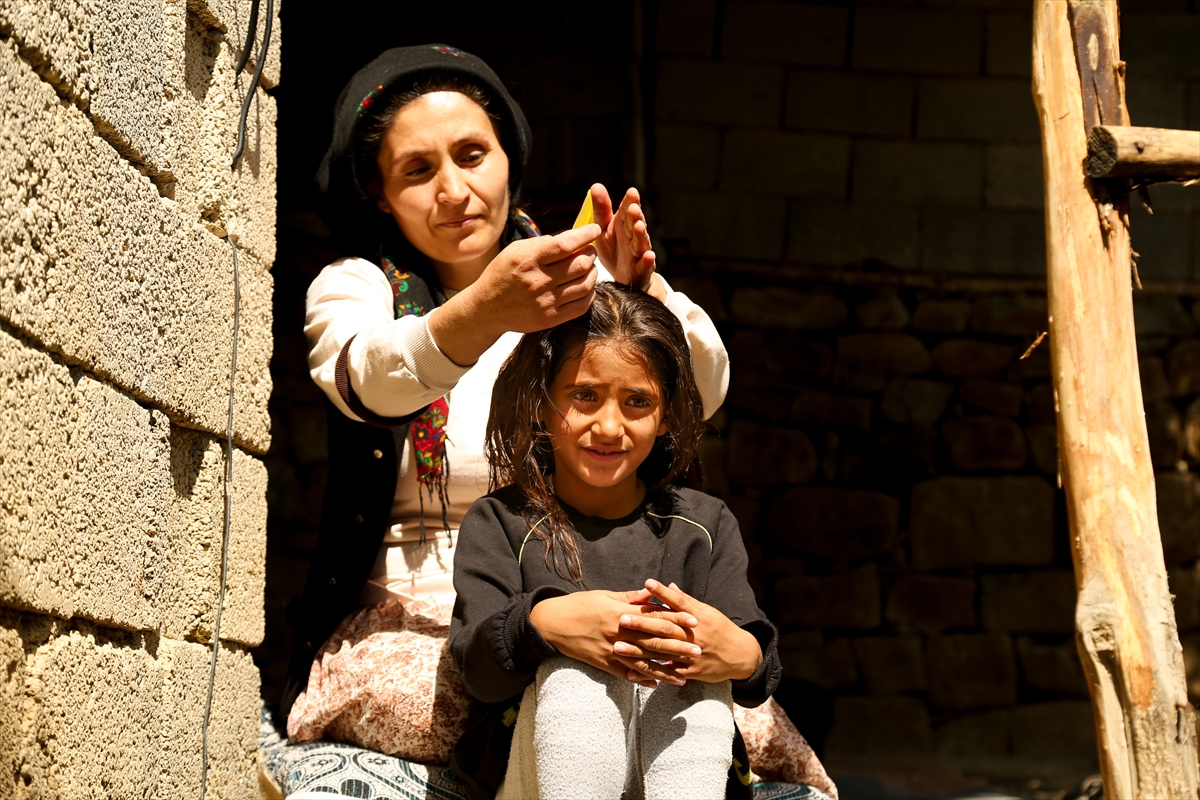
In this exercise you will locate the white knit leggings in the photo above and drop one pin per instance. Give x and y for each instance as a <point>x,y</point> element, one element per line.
<point>583,733</point>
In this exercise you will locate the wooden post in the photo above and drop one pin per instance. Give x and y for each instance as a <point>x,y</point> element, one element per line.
<point>1125,623</point>
<point>1126,152</point>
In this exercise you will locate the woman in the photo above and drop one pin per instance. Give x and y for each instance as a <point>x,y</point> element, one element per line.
<point>407,335</point>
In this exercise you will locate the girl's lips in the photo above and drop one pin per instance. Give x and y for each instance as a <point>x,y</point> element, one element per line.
<point>604,454</point>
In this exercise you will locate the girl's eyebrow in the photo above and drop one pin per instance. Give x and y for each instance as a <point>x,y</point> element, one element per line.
<point>634,389</point>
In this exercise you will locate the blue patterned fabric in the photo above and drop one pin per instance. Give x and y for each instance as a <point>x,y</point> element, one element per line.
<point>329,769</point>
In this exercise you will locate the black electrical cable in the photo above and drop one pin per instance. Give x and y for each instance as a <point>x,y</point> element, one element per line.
<point>249,45</point>
<point>258,70</point>
<point>237,319</point>
<point>216,633</point>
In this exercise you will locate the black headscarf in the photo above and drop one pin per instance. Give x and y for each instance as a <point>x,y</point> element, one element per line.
<point>359,227</point>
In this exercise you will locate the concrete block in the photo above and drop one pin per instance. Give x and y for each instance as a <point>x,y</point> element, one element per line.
<point>1161,315</point>
<point>884,312</point>
<point>789,32</point>
<point>1014,176</point>
<point>1153,374</point>
<point>830,666</point>
<point>719,92</point>
<point>114,514</point>
<point>931,603</point>
<point>984,109</point>
<point>1178,499</point>
<point>971,670</point>
<point>874,105</point>
<point>985,442</point>
<point>1191,430</point>
<point>686,27</point>
<point>837,523</point>
<point>704,293</point>
<point>891,665</point>
<point>1164,426</point>
<point>962,522</point>
<point>883,354</point>
<point>1185,590</point>
<point>829,601</point>
<point>1161,45</point>
<point>1166,246</point>
<point>986,734</point>
<point>767,405</point>
<point>849,234</point>
<point>942,316</point>
<point>937,41</point>
<point>1029,602</point>
<point>782,307</point>
<point>1157,103</point>
<point>686,156</point>
<point>1010,43</point>
<point>1183,368</point>
<point>726,224</point>
<point>1051,667</point>
<point>98,266</point>
<point>121,714</point>
<point>995,242</point>
<point>232,17</point>
<point>915,173</point>
<point>884,727</point>
<point>915,401</point>
<point>156,79</point>
<point>792,163</point>
<point>1043,447</point>
<point>964,358</point>
<point>1021,316</point>
<point>778,358</point>
<point>765,456</point>
<point>1061,731</point>
<point>995,397</point>
<point>830,409</point>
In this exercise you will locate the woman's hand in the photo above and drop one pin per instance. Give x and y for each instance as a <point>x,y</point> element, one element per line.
<point>624,246</point>
<point>585,626</point>
<point>533,284</point>
<point>726,651</point>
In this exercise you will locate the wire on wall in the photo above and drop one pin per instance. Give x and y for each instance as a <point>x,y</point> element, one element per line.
<point>237,308</point>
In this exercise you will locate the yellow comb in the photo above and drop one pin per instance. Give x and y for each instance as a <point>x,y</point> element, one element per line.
<point>586,215</point>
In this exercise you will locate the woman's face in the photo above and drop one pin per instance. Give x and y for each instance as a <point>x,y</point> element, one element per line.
<point>444,178</point>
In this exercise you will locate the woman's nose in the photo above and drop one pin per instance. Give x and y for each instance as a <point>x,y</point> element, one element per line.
<point>453,189</point>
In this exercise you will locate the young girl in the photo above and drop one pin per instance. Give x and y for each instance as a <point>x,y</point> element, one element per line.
<point>616,600</point>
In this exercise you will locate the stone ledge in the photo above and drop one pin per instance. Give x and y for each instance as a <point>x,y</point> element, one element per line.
<point>83,707</point>
<point>96,265</point>
<point>156,80</point>
<point>115,515</point>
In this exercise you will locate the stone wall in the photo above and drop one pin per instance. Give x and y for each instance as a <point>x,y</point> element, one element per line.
<point>117,124</point>
<point>854,192</point>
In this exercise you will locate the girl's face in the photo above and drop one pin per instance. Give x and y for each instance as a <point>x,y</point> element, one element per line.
<point>444,178</point>
<point>612,411</point>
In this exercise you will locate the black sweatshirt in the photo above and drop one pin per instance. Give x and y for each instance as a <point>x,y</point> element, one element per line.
<point>677,535</point>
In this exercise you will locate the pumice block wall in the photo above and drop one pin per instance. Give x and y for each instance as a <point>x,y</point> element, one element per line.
<point>118,119</point>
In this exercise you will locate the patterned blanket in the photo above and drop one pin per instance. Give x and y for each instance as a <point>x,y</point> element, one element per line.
<point>328,770</point>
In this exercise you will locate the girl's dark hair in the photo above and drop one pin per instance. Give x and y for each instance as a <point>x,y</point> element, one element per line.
<point>519,450</point>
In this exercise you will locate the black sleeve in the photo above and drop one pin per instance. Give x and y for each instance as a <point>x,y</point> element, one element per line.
<point>730,592</point>
<point>494,644</point>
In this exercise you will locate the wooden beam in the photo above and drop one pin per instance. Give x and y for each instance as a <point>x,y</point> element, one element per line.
<point>1125,622</point>
<point>1160,154</point>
